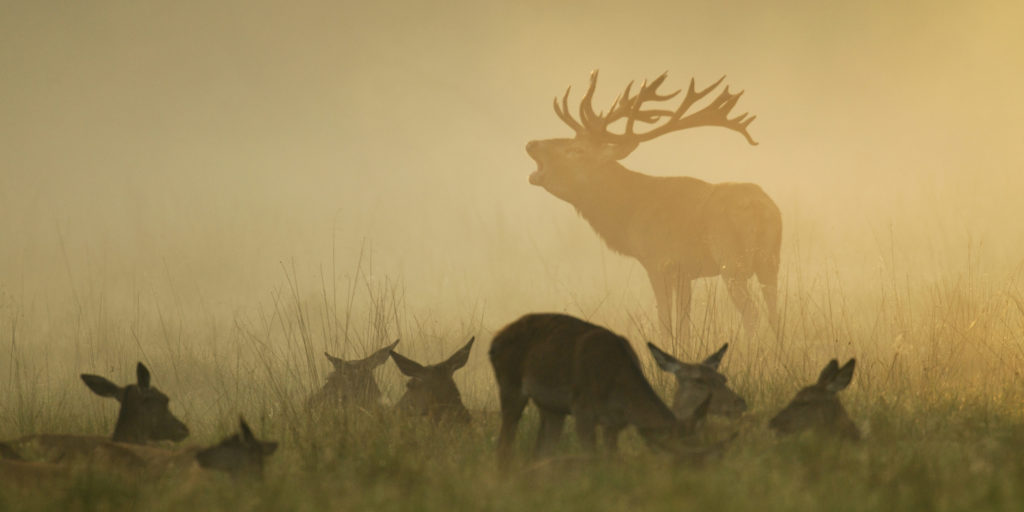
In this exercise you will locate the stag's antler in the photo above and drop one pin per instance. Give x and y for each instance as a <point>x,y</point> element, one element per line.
<point>595,125</point>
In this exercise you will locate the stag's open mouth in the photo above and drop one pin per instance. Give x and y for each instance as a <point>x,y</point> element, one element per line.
<point>537,177</point>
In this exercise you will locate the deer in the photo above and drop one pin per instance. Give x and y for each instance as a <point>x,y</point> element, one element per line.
<point>817,407</point>
<point>144,416</point>
<point>351,383</point>
<point>569,366</point>
<point>678,228</point>
<point>695,382</point>
<point>431,389</point>
<point>239,455</point>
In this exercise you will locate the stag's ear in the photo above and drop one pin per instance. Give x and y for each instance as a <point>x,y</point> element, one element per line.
<point>103,387</point>
<point>616,151</point>
<point>842,377</point>
<point>379,357</point>
<point>407,366</point>
<point>142,375</point>
<point>829,372</point>
<point>459,358</point>
<point>715,359</point>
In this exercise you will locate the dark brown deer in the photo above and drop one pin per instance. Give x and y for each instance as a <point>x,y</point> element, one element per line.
<point>695,382</point>
<point>144,416</point>
<point>678,228</point>
<point>351,383</point>
<point>817,406</point>
<point>568,366</point>
<point>431,390</point>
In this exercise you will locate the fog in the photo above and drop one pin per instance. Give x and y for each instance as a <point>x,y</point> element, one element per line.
<point>213,151</point>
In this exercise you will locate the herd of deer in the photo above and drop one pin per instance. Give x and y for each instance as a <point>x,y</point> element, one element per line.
<point>679,229</point>
<point>565,365</point>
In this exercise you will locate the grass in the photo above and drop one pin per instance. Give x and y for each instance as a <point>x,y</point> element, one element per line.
<point>936,394</point>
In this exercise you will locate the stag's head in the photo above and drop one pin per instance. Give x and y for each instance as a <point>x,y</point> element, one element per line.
<point>239,455</point>
<point>431,390</point>
<point>352,382</point>
<point>817,407</point>
<point>144,414</point>
<point>566,166</point>
<point>698,382</point>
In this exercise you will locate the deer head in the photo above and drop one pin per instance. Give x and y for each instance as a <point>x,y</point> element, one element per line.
<point>698,382</point>
<point>144,414</point>
<point>240,454</point>
<point>817,407</point>
<point>352,382</point>
<point>567,167</point>
<point>431,390</point>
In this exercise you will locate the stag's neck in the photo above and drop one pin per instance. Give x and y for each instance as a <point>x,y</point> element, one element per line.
<point>616,200</point>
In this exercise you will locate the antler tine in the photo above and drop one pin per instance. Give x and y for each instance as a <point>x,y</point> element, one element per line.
<point>563,112</point>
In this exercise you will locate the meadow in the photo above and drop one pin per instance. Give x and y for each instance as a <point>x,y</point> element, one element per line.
<point>936,394</point>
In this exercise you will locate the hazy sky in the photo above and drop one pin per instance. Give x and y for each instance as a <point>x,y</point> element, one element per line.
<point>211,141</point>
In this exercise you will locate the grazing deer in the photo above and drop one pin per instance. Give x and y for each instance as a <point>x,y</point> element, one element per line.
<point>568,366</point>
<point>351,383</point>
<point>431,391</point>
<point>695,382</point>
<point>144,416</point>
<point>678,228</point>
<point>817,406</point>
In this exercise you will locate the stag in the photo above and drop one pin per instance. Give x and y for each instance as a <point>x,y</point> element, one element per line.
<point>817,407</point>
<point>568,366</point>
<point>431,389</point>
<point>678,228</point>
<point>144,416</point>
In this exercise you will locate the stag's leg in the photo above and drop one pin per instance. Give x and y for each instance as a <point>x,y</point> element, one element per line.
<point>768,275</point>
<point>741,298</point>
<point>683,296</point>
<point>549,433</point>
<point>662,295</point>
<point>512,404</point>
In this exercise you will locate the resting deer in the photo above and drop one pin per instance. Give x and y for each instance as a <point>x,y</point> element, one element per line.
<point>144,416</point>
<point>431,391</point>
<point>678,228</point>
<point>817,406</point>
<point>351,383</point>
<point>695,382</point>
<point>568,366</point>
<point>241,454</point>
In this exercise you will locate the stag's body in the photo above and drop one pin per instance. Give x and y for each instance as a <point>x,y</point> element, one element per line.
<point>568,366</point>
<point>678,228</point>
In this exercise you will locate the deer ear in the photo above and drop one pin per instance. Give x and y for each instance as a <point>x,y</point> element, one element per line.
<point>269,447</point>
<point>459,358</point>
<point>715,359</point>
<point>336,362</point>
<point>617,151</point>
<point>379,357</point>
<point>829,372</point>
<point>103,387</point>
<point>247,435</point>
<point>142,375</point>
<point>407,366</point>
<point>665,361</point>
<point>842,377</point>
